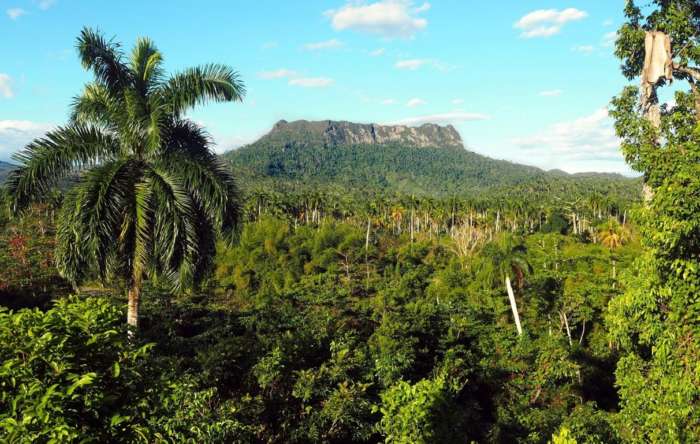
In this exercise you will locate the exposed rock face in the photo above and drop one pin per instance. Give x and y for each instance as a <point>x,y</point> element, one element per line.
<point>334,133</point>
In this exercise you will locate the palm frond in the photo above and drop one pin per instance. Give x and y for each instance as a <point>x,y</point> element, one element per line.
<point>198,85</point>
<point>146,65</point>
<point>212,185</point>
<point>59,153</point>
<point>92,217</point>
<point>96,105</point>
<point>104,58</point>
<point>176,218</point>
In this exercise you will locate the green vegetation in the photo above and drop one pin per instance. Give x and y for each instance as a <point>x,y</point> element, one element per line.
<point>292,159</point>
<point>657,322</point>
<point>151,197</point>
<point>504,304</point>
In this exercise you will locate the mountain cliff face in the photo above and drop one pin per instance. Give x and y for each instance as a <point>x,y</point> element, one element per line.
<point>337,133</point>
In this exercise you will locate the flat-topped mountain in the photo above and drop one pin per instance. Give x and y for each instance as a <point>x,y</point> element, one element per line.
<point>334,133</point>
<point>428,160</point>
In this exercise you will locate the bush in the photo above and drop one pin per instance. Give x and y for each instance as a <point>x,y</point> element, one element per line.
<point>71,374</point>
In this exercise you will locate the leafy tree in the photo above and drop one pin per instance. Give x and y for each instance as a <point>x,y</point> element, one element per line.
<point>69,374</point>
<point>421,413</point>
<point>151,195</point>
<point>657,321</point>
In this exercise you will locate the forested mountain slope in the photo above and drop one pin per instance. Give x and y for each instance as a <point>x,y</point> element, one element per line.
<point>5,169</point>
<point>429,160</point>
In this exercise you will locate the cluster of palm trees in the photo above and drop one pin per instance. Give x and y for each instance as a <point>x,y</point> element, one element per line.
<point>429,217</point>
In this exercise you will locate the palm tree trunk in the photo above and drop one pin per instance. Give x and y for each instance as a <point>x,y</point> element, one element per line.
<point>132,313</point>
<point>513,306</point>
<point>566,324</point>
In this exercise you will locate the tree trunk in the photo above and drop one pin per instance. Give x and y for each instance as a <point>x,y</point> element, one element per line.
<point>566,323</point>
<point>369,225</point>
<point>658,64</point>
<point>132,313</point>
<point>513,306</point>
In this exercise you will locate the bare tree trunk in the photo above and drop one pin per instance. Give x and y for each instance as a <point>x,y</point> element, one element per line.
<point>369,224</point>
<point>566,324</point>
<point>132,313</point>
<point>513,306</point>
<point>658,64</point>
<point>583,332</point>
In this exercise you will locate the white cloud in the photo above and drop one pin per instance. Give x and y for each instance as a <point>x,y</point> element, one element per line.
<point>453,117</point>
<point>45,4</point>
<point>584,144</point>
<point>15,134</point>
<point>414,64</point>
<point>388,18</point>
<point>388,102</point>
<point>457,101</point>
<point>15,13</point>
<point>326,44</point>
<point>584,49</point>
<point>547,22</point>
<point>377,52</point>
<point>411,64</point>
<point>277,74</point>
<point>6,86</point>
<point>312,82</point>
<point>551,93</point>
<point>608,22</point>
<point>269,45</point>
<point>415,102</point>
<point>295,79</point>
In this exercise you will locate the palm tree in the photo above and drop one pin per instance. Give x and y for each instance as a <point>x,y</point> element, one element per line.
<point>613,236</point>
<point>151,196</point>
<point>508,257</point>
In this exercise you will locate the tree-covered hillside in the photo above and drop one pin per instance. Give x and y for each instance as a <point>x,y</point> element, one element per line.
<point>5,169</point>
<point>300,155</point>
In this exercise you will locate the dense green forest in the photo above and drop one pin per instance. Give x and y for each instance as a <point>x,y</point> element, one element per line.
<point>300,292</point>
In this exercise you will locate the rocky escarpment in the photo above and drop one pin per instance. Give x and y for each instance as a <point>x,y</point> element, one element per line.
<point>335,133</point>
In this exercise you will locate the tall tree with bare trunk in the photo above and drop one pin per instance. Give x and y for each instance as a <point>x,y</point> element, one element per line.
<point>151,197</point>
<point>656,322</point>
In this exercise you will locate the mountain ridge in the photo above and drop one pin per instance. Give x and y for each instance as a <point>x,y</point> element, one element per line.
<point>349,157</point>
<point>342,132</point>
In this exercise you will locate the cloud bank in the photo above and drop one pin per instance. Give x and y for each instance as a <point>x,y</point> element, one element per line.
<point>387,18</point>
<point>547,22</point>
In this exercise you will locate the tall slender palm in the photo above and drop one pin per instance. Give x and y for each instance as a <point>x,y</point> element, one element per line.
<point>507,257</point>
<point>151,196</point>
<point>613,236</point>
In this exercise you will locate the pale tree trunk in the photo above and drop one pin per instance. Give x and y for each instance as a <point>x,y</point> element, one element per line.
<point>658,64</point>
<point>513,306</point>
<point>566,324</point>
<point>369,225</point>
<point>132,313</point>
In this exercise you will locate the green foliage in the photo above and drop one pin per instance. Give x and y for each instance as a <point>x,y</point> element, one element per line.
<point>70,374</point>
<point>419,413</point>
<point>28,275</point>
<point>295,160</point>
<point>656,321</point>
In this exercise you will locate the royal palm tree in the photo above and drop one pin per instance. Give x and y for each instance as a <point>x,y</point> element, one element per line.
<point>151,197</point>
<point>507,257</point>
<point>613,236</point>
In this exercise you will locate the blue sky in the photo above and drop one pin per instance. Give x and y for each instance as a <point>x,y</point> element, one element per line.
<point>526,81</point>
